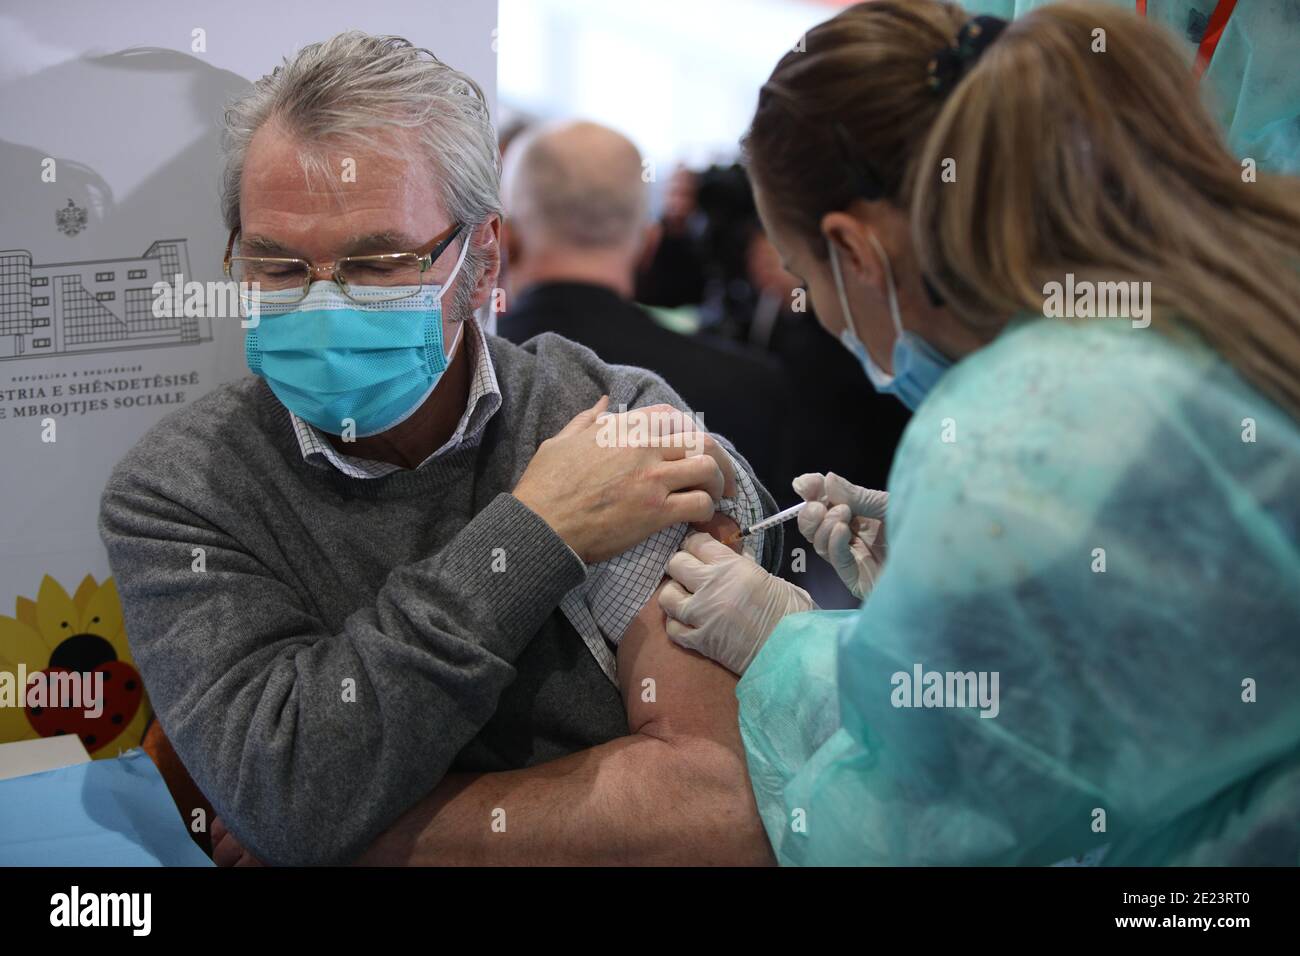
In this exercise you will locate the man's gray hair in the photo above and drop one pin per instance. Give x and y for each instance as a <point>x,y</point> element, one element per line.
<point>352,84</point>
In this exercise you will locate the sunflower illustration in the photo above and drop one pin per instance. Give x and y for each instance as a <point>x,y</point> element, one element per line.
<point>80,634</point>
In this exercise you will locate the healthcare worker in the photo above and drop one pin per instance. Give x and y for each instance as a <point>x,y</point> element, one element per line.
<point>1083,642</point>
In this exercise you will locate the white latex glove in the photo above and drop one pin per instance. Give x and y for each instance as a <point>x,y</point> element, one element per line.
<point>723,604</point>
<point>845,523</point>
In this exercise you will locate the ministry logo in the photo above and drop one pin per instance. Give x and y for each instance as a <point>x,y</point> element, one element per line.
<point>71,219</point>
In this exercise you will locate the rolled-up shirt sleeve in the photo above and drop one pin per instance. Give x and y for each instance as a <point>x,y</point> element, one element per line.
<point>614,591</point>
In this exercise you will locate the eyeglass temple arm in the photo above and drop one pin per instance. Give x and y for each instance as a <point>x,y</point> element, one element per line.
<point>440,243</point>
<point>230,247</point>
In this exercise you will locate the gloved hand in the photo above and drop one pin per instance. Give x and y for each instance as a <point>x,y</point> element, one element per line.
<point>723,604</point>
<point>845,524</point>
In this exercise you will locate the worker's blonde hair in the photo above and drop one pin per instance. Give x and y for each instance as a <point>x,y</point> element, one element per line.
<point>1068,160</point>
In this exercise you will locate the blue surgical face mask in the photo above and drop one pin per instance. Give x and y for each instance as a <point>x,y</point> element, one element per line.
<point>329,359</point>
<point>918,366</point>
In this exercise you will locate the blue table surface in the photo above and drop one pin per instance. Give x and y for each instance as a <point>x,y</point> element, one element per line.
<point>114,812</point>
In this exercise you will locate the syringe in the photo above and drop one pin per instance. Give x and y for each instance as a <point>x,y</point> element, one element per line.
<point>776,519</point>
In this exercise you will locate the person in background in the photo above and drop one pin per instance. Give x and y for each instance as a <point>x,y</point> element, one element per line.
<point>700,256</point>
<point>671,272</point>
<point>576,225</point>
<point>507,133</point>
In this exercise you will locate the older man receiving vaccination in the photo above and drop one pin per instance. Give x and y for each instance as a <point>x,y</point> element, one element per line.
<point>424,628</point>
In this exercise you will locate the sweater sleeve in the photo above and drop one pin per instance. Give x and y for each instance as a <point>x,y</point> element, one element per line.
<point>309,743</point>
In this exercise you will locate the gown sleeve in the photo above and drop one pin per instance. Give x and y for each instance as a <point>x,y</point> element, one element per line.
<point>1099,563</point>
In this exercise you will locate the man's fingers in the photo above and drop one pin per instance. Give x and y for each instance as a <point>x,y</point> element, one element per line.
<point>668,419</point>
<point>656,426</point>
<point>725,465</point>
<point>687,507</point>
<point>699,472</point>
<point>698,447</point>
<point>676,435</point>
<point>585,418</point>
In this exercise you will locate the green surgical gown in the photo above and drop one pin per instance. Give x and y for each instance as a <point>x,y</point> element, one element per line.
<point>1108,519</point>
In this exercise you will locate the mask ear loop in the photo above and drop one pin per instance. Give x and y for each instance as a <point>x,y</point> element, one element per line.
<point>455,271</point>
<point>839,285</point>
<point>451,353</point>
<point>895,313</point>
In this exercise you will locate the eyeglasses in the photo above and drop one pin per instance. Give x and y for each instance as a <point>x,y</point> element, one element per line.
<point>287,281</point>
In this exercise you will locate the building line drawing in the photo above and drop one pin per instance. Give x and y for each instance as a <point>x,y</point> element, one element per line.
<point>99,305</point>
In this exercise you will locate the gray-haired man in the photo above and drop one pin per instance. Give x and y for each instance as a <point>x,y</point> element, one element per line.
<point>407,608</point>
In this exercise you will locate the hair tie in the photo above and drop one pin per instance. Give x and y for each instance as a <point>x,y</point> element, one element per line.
<point>949,65</point>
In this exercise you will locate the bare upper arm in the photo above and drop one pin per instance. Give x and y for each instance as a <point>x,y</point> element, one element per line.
<point>671,691</point>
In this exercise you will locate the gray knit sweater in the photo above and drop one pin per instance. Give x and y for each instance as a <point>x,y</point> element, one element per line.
<point>347,641</point>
